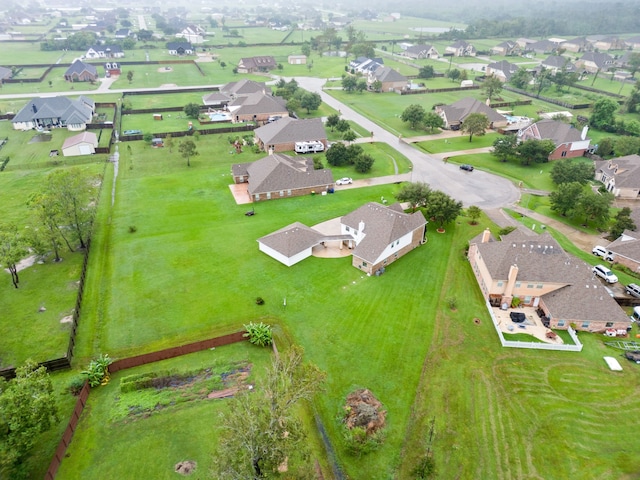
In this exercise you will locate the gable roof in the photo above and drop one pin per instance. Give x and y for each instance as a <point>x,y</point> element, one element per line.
<point>381,226</point>
<point>245,87</point>
<point>84,137</point>
<point>264,61</point>
<point>257,103</point>
<point>558,132</point>
<point>558,61</point>
<point>287,130</point>
<point>178,45</point>
<point>598,58</point>
<point>419,50</point>
<point>625,170</point>
<point>388,74</point>
<point>505,67</point>
<point>461,109</point>
<point>5,73</point>
<point>292,239</point>
<point>78,67</point>
<point>68,111</point>
<point>106,48</point>
<point>278,172</point>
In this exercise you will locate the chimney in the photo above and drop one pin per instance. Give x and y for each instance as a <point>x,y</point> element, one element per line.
<point>511,282</point>
<point>583,135</point>
<point>486,236</point>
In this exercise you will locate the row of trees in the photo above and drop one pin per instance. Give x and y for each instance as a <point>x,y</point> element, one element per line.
<point>507,148</point>
<point>436,204</point>
<point>63,213</point>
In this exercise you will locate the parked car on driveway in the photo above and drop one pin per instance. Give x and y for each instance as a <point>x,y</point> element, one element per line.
<point>599,251</point>
<point>467,167</point>
<point>604,273</point>
<point>633,290</point>
<point>344,181</point>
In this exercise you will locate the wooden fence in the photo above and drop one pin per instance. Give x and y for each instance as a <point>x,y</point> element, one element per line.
<point>438,90</point>
<point>204,131</point>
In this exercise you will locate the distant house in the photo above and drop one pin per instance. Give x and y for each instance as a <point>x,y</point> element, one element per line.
<point>542,47</point>
<point>81,72</point>
<point>525,44</point>
<point>593,62</point>
<point>53,112</point>
<point>502,70</point>
<point>257,107</point>
<point>193,34</point>
<point>420,51</point>
<point>621,176</point>
<point>112,68</point>
<point>569,141</point>
<point>633,42</point>
<point>365,64</point>
<point>577,45</point>
<point>556,63</point>
<point>607,43</point>
<point>257,64</point>
<point>180,48</point>
<point>84,143</point>
<point>281,176</point>
<point>123,33</point>
<point>455,114</point>
<point>377,235</point>
<point>390,80</point>
<point>245,87</point>
<point>297,59</point>
<point>508,48</point>
<point>536,270</point>
<point>282,135</point>
<point>460,48</point>
<point>216,99</point>
<point>104,51</point>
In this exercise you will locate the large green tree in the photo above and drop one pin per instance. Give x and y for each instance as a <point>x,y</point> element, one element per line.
<point>595,207</point>
<point>192,110</point>
<point>337,154</point>
<point>491,87</point>
<point>568,170</point>
<point>520,78</point>
<point>426,72</point>
<point>622,222</point>
<point>261,430</point>
<point>504,147</point>
<point>349,83</point>
<point>565,198</point>
<point>432,121</point>
<point>415,193</point>
<point>363,163</point>
<point>475,124</point>
<point>13,248</point>
<point>603,113</point>
<point>534,151</point>
<point>27,409</point>
<point>49,234</point>
<point>442,208</point>
<point>414,114</point>
<point>310,101</point>
<point>332,121</point>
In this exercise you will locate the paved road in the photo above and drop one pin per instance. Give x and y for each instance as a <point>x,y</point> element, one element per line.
<point>473,188</point>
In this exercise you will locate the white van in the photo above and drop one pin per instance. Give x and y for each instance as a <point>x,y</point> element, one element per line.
<point>636,314</point>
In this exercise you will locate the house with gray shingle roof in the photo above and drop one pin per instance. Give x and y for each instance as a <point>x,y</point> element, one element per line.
<point>257,107</point>
<point>376,234</point>
<point>593,62</point>
<point>263,63</point>
<point>245,87</point>
<point>536,270</point>
<point>633,42</point>
<point>569,141</point>
<point>502,70</point>
<point>577,45</point>
<point>104,51</point>
<point>460,48</point>
<point>542,46</point>
<point>621,176</point>
<point>53,112</point>
<point>454,114</point>
<point>507,48</point>
<point>81,72</point>
<point>180,48</point>
<point>420,51</point>
<point>556,63</point>
<point>5,74</point>
<point>390,80</point>
<point>626,248</point>
<point>281,176</point>
<point>281,136</point>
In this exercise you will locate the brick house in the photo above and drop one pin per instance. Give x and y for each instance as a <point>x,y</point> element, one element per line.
<point>282,135</point>
<point>569,141</point>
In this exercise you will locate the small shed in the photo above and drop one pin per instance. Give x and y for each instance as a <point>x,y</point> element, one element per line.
<point>157,116</point>
<point>84,143</point>
<point>297,59</point>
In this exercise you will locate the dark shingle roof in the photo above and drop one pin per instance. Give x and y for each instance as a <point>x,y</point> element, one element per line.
<point>461,109</point>
<point>257,103</point>
<point>69,111</point>
<point>558,132</point>
<point>287,130</point>
<point>245,87</point>
<point>388,74</point>
<point>78,67</point>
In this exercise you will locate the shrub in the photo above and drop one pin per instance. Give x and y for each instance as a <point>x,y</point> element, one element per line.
<point>515,302</point>
<point>426,468</point>
<point>75,385</point>
<point>98,371</point>
<point>133,229</point>
<point>452,302</point>
<point>358,442</point>
<point>259,301</point>
<point>506,231</point>
<point>259,334</point>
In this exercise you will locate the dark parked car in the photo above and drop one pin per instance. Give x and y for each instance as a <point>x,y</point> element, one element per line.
<point>467,167</point>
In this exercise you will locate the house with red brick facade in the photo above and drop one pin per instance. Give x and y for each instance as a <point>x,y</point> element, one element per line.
<point>569,141</point>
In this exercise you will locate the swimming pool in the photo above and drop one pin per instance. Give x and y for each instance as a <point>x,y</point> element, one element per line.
<point>514,119</point>
<point>219,117</point>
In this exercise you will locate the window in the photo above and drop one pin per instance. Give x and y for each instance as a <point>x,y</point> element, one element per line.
<point>530,285</point>
<point>347,229</point>
<point>527,299</point>
<point>518,284</point>
<point>564,154</point>
<point>282,193</point>
<point>609,324</point>
<point>364,264</point>
<point>539,285</point>
<point>585,324</point>
<point>289,192</point>
<point>561,323</point>
<point>500,284</point>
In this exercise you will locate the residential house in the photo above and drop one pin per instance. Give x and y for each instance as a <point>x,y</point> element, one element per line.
<point>633,42</point>
<point>123,33</point>
<point>104,51</point>
<point>281,136</point>
<point>180,48</point>
<point>621,176</point>
<point>460,48</point>
<point>84,143</point>
<point>508,48</point>
<point>216,99</point>
<point>390,80</point>
<point>525,44</point>
<point>112,68</point>
<point>297,59</point>
<point>281,176</point>
<point>569,141</point>
<point>257,107</point>
<point>607,43</point>
<point>245,87</point>
<point>52,112</point>
<point>543,47</point>
<point>377,235</point>
<point>537,271</point>
<point>420,51</point>
<point>594,62</point>
<point>263,63</point>
<point>455,114</point>
<point>502,70</point>
<point>557,63</point>
<point>364,64</point>
<point>81,72</point>
<point>577,45</point>
<point>626,249</point>
<point>193,34</point>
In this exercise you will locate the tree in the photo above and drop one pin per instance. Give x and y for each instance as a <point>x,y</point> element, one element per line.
<point>332,121</point>
<point>343,125</point>
<point>27,409</point>
<point>520,78</point>
<point>426,72</point>
<point>192,110</point>
<point>453,74</point>
<point>565,198</point>
<point>310,101</point>
<point>414,114</point>
<point>626,145</point>
<point>223,65</point>
<point>595,207</point>
<point>567,171</point>
<point>306,49</point>
<point>432,121</point>
<point>475,124</point>
<point>130,76</point>
<point>505,147</point>
<point>147,138</point>
<point>168,142</point>
<point>187,150</point>
<point>376,85</point>
<point>534,150</point>
<point>13,248</point>
<point>621,223</point>
<point>353,152</point>
<point>491,86</point>
<point>543,80</point>
<point>474,212</point>
<point>442,208</point>
<point>603,113</point>
<point>633,63</point>
<point>47,215</point>
<point>337,155</point>
<point>349,136</point>
<point>260,430</point>
<point>416,193</point>
<point>349,83</point>
<point>361,85</point>
<point>363,163</point>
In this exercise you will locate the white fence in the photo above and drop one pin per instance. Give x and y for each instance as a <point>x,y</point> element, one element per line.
<point>535,345</point>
